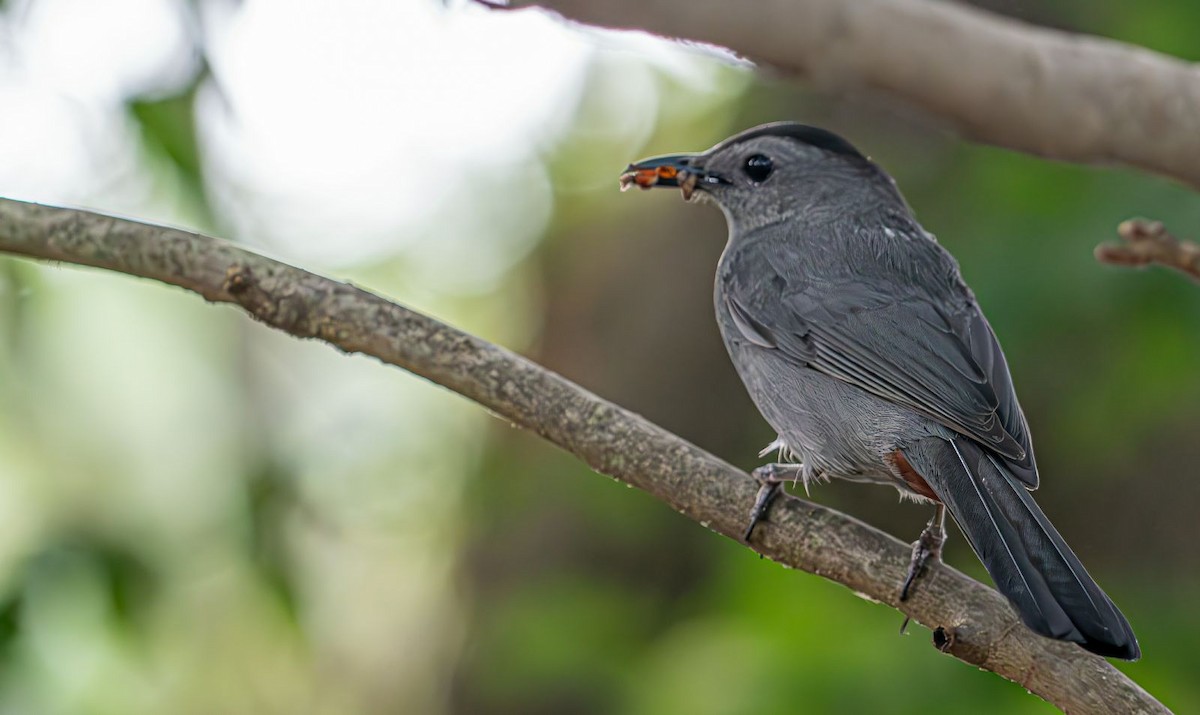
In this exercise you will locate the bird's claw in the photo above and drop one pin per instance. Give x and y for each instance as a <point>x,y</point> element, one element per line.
<point>927,546</point>
<point>770,478</point>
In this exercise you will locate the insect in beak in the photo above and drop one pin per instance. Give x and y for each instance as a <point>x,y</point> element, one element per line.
<point>669,171</point>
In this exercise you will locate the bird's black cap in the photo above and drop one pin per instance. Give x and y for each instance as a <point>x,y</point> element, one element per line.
<point>814,136</point>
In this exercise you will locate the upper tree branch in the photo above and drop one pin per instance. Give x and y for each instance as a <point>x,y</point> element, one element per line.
<point>973,622</point>
<point>999,81</point>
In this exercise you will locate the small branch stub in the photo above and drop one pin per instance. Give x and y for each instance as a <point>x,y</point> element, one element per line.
<point>1147,242</point>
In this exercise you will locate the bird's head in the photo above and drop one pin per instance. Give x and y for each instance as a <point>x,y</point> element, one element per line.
<point>767,173</point>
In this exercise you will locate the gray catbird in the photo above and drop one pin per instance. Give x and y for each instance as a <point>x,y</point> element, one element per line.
<point>867,353</point>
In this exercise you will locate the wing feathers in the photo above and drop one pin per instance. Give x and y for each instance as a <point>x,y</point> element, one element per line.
<point>927,348</point>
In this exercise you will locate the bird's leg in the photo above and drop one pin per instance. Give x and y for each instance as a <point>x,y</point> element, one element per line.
<point>928,545</point>
<point>770,478</point>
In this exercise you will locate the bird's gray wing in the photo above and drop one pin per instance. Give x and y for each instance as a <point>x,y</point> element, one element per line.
<point>934,353</point>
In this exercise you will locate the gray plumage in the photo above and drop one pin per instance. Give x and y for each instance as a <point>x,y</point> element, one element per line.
<point>857,339</point>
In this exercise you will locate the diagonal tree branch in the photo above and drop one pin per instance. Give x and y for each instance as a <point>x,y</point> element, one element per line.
<point>971,622</point>
<point>999,81</point>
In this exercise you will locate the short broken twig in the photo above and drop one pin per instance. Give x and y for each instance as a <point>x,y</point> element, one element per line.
<point>1147,242</point>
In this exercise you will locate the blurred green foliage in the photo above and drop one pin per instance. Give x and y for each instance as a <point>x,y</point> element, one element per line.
<point>168,127</point>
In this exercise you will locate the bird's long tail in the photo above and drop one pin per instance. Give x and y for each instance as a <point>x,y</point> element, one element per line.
<point>1030,563</point>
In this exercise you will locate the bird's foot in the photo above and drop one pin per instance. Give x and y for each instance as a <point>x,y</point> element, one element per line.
<point>770,479</point>
<point>927,546</point>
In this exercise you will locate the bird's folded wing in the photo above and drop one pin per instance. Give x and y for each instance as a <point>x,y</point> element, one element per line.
<point>906,350</point>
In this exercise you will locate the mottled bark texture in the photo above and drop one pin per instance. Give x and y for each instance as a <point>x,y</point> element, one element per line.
<point>971,622</point>
<point>995,80</point>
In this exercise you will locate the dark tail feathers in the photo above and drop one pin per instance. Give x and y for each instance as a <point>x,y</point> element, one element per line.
<point>1030,563</point>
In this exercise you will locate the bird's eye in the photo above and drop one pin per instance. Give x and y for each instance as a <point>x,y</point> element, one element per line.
<point>758,168</point>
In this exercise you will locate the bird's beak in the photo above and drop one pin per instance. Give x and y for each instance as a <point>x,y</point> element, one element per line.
<point>677,171</point>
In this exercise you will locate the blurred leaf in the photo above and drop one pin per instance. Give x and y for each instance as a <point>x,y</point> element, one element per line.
<point>10,623</point>
<point>270,498</point>
<point>127,581</point>
<point>131,583</point>
<point>168,126</point>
